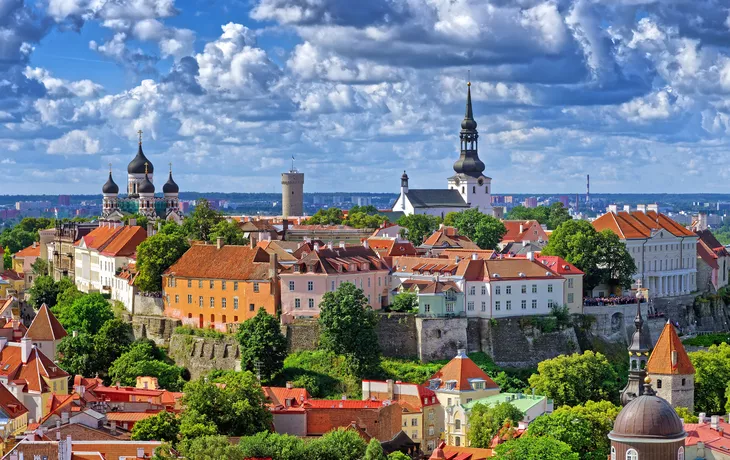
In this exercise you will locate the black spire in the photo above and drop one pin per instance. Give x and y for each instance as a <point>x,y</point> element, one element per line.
<point>469,162</point>
<point>170,186</point>
<point>110,186</point>
<point>140,164</point>
<point>638,357</point>
<point>146,186</point>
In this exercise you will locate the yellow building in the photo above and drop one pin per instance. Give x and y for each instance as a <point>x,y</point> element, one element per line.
<point>11,284</point>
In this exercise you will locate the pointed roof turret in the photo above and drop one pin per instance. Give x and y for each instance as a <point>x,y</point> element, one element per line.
<point>110,186</point>
<point>469,163</point>
<point>468,123</point>
<point>140,164</point>
<point>45,326</point>
<point>669,356</point>
<point>639,341</point>
<point>170,186</point>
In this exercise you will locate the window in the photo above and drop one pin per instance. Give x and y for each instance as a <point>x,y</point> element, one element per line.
<point>523,304</point>
<point>310,285</point>
<point>457,441</point>
<point>405,423</point>
<point>497,290</point>
<point>200,301</point>
<point>570,297</point>
<point>534,303</point>
<point>523,289</point>
<point>190,283</point>
<point>448,402</point>
<point>508,290</point>
<point>659,383</point>
<point>508,305</point>
<point>190,298</point>
<point>534,288</point>
<point>680,453</point>
<point>449,307</point>
<point>235,285</point>
<point>631,454</point>
<point>223,302</point>
<point>570,282</point>
<point>291,285</point>
<point>235,303</point>
<point>223,285</point>
<point>255,286</point>
<point>414,422</point>
<point>472,290</point>
<point>212,284</point>
<point>200,284</point>
<point>468,400</point>
<point>457,424</point>
<point>484,290</point>
<point>430,433</point>
<point>613,453</point>
<point>297,303</point>
<point>484,306</point>
<point>470,306</point>
<point>497,305</point>
<point>251,307</point>
<point>368,282</point>
<point>427,308</point>
<point>212,302</point>
<point>684,381</point>
<point>311,303</point>
<point>550,303</point>
<point>550,288</point>
<point>333,286</point>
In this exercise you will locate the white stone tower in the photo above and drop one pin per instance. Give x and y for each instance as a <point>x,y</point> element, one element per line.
<point>292,192</point>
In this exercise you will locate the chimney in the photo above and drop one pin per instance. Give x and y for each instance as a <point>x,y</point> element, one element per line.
<point>329,245</point>
<point>391,388</point>
<point>641,208</point>
<point>316,247</point>
<point>64,417</point>
<point>132,222</point>
<point>219,242</point>
<point>702,417</point>
<point>113,428</point>
<point>522,228</point>
<point>366,243</point>
<point>342,244</point>
<point>715,422</point>
<point>474,256</point>
<point>284,228</point>
<point>627,208</point>
<point>674,358</point>
<point>289,385</point>
<point>58,435</point>
<point>26,346</point>
<point>652,207</point>
<point>140,452</point>
<point>3,342</point>
<point>531,256</point>
<point>612,208</point>
<point>35,244</point>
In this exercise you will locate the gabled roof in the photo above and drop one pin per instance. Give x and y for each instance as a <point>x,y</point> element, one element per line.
<point>10,404</point>
<point>273,247</point>
<point>435,198</point>
<point>514,234</point>
<point>448,237</point>
<point>559,265</point>
<point>279,395</point>
<point>390,247</point>
<point>229,262</point>
<point>98,237</point>
<point>338,260</point>
<point>124,243</point>
<point>512,268</point>
<point>707,255</point>
<point>660,361</point>
<point>637,224</point>
<point>34,250</point>
<point>461,369</point>
<point>438,287</point>
<point>45,326</point>
<point>31,373</point>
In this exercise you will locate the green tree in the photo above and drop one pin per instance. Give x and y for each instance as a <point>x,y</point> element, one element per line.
<point>230,232</point>
<point>199,225</point>
<point>39,267</point>
<point>170,227</point>
<point>551,216</point>
<point>557,215</point>
<point>43,291</point>
<point>202,448</point>
<point>688,416</point>
<point>367,209</point>
<point>575,379</point>
<point>486,420</point>
<point>144,358</point>
<point>77,355</point>
<point>112,341</point>
<point>67,295</point>
<point>7,259</point>
<point>363,220</point>
<point>712,374</point>
<point>263,347</point>
<point>330,216</point>
<point>529,448</point>
<point>405,302</point>
<point>87,313</point>
<point>374,451</point>
<point>273,445</point>
<point>486,231</point>
<point>16,238</point>
<point>339,444</point>
<point>418,227</point>
<point>163,426</point>
<point>139,220</point>
<point>155,255</point>
<point>195,425</point>
<point>601,416</point>
<point>347,327</point>
<point>397,455</point>
<point>570,428</point>
<point>237,408</point>
<point>615,263</point>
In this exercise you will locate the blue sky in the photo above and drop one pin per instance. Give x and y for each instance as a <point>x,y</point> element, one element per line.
<point>632,92</point>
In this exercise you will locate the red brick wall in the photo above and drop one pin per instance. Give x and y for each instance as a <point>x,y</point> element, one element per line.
<point>381,423</point>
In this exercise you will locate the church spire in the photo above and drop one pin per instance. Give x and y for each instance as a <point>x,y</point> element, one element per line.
<point>638,357</point>
<point>469,163</point>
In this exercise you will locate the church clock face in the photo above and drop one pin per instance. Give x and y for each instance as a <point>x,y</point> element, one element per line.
<point>480,181</point>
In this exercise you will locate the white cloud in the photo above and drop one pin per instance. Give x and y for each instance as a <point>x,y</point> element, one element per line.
<point>76,142</point>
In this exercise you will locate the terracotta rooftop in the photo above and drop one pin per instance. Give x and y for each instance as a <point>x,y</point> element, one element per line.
<point>343,404</point>
<point>461,370</point>
<point>34,250</point>
<point>447,237</point>
<point>669,356</point>
<point>637,224</point>
<point>30,374</point>
<point>713,439</point>
<point>45,326</point>
<point>124,242</point>
<point>559,265</point>
<point>10,404</point>
<point>229,262</point>
<point>279,395</point>
<point>97,237</point>
<point>129,416</point>
<point>514,234</point>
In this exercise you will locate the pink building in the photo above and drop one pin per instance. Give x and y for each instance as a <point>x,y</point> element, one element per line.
<point>324,269</point>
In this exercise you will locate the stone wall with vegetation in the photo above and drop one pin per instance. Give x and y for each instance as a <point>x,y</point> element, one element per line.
<point>397,335</point>
<point>204,354</point>
<point>157,328</point>
<point>148,306</point>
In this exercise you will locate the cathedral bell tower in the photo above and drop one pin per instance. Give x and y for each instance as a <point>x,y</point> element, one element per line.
<point>475,188</point>
<point>638,357</point>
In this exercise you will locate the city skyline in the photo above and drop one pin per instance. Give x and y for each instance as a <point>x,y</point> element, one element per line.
<point>629,93</point>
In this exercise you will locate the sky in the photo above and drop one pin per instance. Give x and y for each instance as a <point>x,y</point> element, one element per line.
<point>632,92</point>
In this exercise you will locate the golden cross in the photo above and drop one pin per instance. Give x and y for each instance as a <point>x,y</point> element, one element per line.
<point>145,167</point>
<point>468,77</point>
<point>140,136</point>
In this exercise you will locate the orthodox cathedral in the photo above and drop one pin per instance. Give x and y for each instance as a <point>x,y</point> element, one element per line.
<point>140,198</point>
<point>468,188</point>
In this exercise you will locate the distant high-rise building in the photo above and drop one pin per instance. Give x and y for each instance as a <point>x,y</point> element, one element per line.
<point>292,192</point>
<point>64,200</point>
<point>530,202</point>
<point>565,201</point>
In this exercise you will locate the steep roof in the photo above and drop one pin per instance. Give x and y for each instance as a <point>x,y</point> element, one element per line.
<point>10,404</point>
<point>98,237</point>
<point>448,237</point>
<point>125,242</point>
<point>338,260</point>
<point>559,265</point>
<point>517,230</point>
<point>515,268</point>
<point>438,287</point>
<point>462,369</point>
<point>279,395</point>
<point>229,262</point>
<point>45,326</point>
<point>660,361</point>
<point>273,247</point>
<point>435,198</point>
<point>707,254</point>
<point>34,250</point>
<point>390,247</point>
<point>31,373</point>
<point>637,224</point>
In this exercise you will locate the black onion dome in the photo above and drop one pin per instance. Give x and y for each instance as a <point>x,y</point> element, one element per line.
<point>648,416</point>
<point>110,186</point>
<point>404,176</point>
<point>146,186</point>
<point>137,165</point>
<point>170,186</point>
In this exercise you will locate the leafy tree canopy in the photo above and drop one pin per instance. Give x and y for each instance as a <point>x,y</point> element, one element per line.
<point>273,445</point>
<point>144,358</point>
<point>572,429</point>
<point>155,255</point>
<point>7,258</point>
<point>163,426</point>
<point>405,302</point>
<point>551,216</point>
<point>39,267</point>
<point>43,291</point>
<point>262,342</point>
<point>374,451</point>
<point>541,448</point>
<point>712,374</point>
<point>329,216</point>
<point>486,231</point>
<point>230,232</point>
<point>418,227</point>
<point>200,224</point>
<point>87,313</point>
<point>485,421</point>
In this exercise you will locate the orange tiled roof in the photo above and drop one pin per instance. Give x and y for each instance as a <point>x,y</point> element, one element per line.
<point>124,242</point>
<point>98,237</point>
<point>279,395</point>
<point>129,416</point>
<point>637,224</point>
<point>512,267</point>
<point>448,238</point>
<point>513,233</point>
<point>30,374</point>
<point>10,404</point>
<point>461,369</point>
<point>45,326</point>
<point>228,262</point>
<point>34,250</point>
<point>343,404</point>
<point>660,361</point>
<point>559,265</point>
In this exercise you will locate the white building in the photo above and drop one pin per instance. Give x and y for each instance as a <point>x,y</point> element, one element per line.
<point>123,288</point>
<point>104,252</point>
<point>665,253</point>
<point>468,188</point>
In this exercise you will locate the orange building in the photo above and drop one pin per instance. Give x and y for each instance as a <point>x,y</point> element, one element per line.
<point>215,285</point>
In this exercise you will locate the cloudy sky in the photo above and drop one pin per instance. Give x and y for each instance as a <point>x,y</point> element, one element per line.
<point>633,92</point>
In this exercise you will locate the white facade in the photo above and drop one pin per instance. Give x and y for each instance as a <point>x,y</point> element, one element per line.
<point>87,277</point>
<point>665,264</point>
<point>523,297</point>
<point>476,192</point>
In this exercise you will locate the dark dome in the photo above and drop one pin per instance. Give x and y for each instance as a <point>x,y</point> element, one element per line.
<point>470,165</point>
<point>170,186</point>
<point>137,165</point>
<point>146,186</point>
<point>469,124</point>
<point>648,417</point>
<point>110,186</point>
<point>404,176</point>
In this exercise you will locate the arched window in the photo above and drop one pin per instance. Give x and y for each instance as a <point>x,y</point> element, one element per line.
<point>473,189</point>
<point>680,453</point>
<point>631,454</point>
<point>613,453</point>
<point>457,424</point>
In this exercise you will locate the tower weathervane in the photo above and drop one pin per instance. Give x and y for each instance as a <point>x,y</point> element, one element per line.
<point>110,168</point>
<point>171,167</point>
<point>140,136</point>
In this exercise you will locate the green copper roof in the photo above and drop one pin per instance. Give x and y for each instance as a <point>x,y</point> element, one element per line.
<point>527,402</point>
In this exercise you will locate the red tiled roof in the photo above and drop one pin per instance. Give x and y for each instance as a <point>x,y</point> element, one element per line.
<point>637,224</point>
<point>707,254</point>
<point>125,242</point>
<point>462,369</point>
<point>703,432</point>
<point>10,404</point>
<point>129,416</point>
<point>34,250</point>
<point>11,275</point>
<point>559,265</point>
<point>229,262</point>
<point>45,326</point>
<point>513,267</point>
<point>514,235</point>
<point>342,404</point>
<point>660,361</point>
<point>448,238</point>
<point>98,237</point>
<point>30,374</point>
<point>279,395</point>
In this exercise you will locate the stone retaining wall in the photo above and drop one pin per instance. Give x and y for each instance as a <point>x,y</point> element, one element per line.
<point>148,306</point>
<point>204,354</point>
<point>157,328</point>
